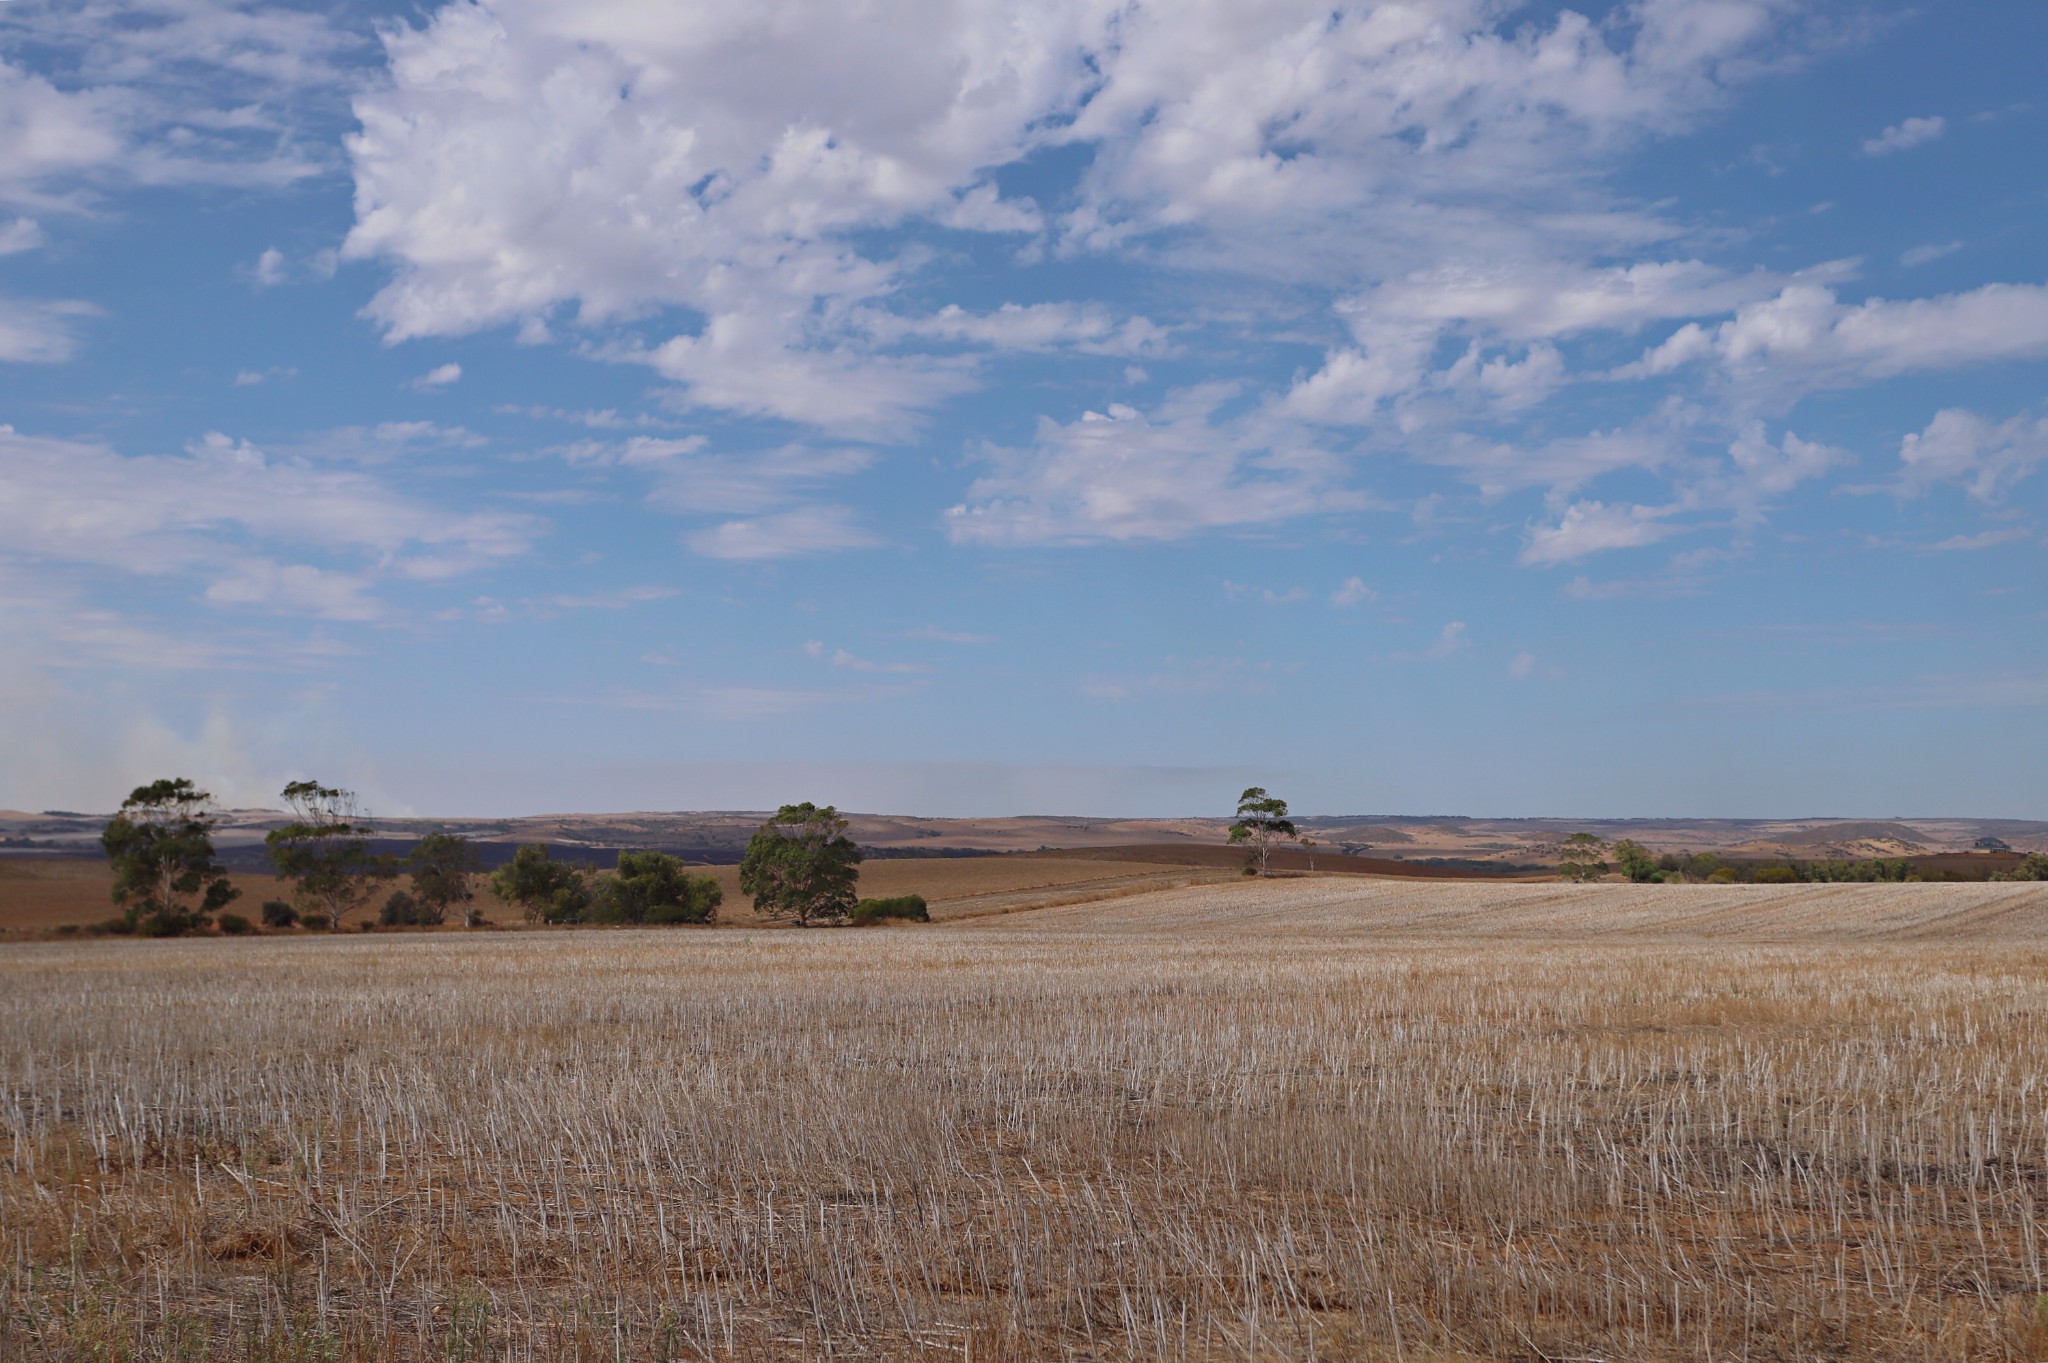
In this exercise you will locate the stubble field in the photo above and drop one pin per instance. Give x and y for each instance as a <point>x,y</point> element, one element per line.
<point>1302,1119</point>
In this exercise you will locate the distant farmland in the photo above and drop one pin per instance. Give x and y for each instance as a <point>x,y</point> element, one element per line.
<point>1301,1119</point>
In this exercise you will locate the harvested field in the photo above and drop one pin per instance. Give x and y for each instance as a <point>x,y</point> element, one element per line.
<point>39,894</point>
<point>1306,1119</point>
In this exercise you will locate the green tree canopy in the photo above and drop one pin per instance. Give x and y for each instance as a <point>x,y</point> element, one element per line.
<point>325,851</point>
<point>1261,821</point>
<point>1581,858</point>
<point>801,865</point>
<point>1635,860</point>
<point>549,891</point>
<point>656,889</point>
<point>167,879</point>
<point>444,868</point>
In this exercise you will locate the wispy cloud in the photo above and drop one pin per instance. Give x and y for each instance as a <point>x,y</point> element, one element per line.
<point>1905,135</point>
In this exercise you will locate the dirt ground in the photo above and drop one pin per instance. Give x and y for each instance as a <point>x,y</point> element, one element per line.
<point>39,895</point>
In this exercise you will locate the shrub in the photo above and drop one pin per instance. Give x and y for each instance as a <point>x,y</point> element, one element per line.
<point>234,924</point>
<point>1722,875</point>
<point>278,914</point>
<point>905,906</point>
<point>550,891</point>
<point>67,929</point>
<point>1635,861</point>
<point>1702,865</point>
<point>313,920</point>
<point>407,910</point>
<point>2035,867</point>
<point>654,888</point>
<point>1778,875</point>
<point>111,927</point>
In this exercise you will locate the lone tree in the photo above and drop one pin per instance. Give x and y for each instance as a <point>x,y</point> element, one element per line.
<point>1581,858</point>
<point>549,891</point>
<point>1261,821</point>
<point>1635,861</point>
<point>166,877</point>
<point>654,888</point>
<point>325,851</point>
<point>444,868</point>
<point>801,865</point>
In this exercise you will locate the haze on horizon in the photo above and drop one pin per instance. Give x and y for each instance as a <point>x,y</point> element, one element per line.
<point>1513,409</point>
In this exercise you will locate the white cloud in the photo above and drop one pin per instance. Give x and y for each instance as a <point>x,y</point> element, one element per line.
<point>850,662</point>
<point>795,533</point>
<point>269,271</point>
<point>160,92</point>
<point>1591,528</point>
<point>71,502</point>
<point>23,234</point>
<point>1913,132</point>
<point>1087,328</point>
<point>1805,330</point>
<point>1121,476</point>
<point>440,376</point>
<point>1522,667</point>
<point>1450,641</point>
<point>1959,446</point>
<point>1764,470</point>
<point>295,589</point>
<point>33,332</point>
<point>1352,593</point>
<point>528,165</point>
<point>1933,251</point>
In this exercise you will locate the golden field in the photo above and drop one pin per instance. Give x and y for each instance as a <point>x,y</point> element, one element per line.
<point>1302,1119</point>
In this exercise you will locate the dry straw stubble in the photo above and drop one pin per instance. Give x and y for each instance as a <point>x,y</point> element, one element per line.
<point>1302,1120</point>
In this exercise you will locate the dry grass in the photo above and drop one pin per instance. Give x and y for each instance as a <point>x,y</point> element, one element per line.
<point>1304,1120</point>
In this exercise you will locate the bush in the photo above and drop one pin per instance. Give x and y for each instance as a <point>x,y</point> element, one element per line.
<point>1702,865</point>
<point>654,888</point>
<point>406,910</point>
<point>278,914</point>
<point>905,906</point>
<point>2035,867</point>
<point>111,927</point>
<point>1722,875</point>
<point>67,929</point>
<point>1778,875</point>
<point>549,891</point>
<point>234,924</point>
<point>313,920</point>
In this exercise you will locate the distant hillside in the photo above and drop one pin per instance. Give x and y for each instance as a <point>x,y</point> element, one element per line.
<point>719,835</point>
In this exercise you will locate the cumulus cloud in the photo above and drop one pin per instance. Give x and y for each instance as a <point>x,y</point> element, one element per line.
<point>269,270</point>
<point>1806,328</point>
<point>1985,458</point>
<point>1592,528</point>
<point>529,165</point>
<point>1123,476</point>
<point>1903,136</point>
<point>1352,593</point>
<point>440,376</point>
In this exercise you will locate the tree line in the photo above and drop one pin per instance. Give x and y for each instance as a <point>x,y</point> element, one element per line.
<point>799,866</point>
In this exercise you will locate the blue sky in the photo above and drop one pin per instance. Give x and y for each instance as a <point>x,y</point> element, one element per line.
<point>964,408</point>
